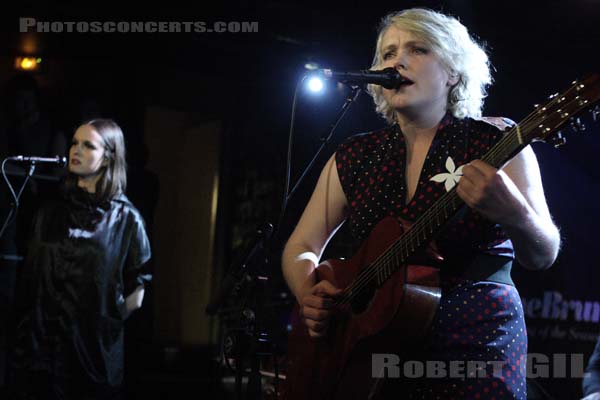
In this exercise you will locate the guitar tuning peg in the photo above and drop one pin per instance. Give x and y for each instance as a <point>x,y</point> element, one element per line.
<point>558,139</point>
<point>577,125</point>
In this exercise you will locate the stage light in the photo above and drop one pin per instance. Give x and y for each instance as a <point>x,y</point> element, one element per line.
<point>27,63</point>
<point>315,84</point>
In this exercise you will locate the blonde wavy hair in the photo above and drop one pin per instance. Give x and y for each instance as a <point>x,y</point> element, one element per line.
<point>457,51</point>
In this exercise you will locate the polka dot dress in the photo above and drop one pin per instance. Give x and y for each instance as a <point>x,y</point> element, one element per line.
<point>478,324</point>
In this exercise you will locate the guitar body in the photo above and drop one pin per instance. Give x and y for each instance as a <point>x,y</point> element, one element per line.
<point>398,314</point>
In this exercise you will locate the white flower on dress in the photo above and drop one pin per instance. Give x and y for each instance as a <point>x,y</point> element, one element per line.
<point>451,177</point>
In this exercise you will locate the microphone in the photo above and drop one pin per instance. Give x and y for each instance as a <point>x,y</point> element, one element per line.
<point>59,161</point>
<point>389,77</point>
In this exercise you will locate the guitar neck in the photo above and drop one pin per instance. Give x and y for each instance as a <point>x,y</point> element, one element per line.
<point>539,125</point>
<point>431,222</point>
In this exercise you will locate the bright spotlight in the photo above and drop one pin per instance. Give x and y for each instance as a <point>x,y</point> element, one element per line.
<point>315,84</point>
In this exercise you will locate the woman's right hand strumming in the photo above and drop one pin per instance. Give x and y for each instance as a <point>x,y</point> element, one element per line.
<point>317,306</point>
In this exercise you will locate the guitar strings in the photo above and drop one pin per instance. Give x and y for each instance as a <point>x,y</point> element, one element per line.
<point>383,264</point>
<point>509,141</point>
<point>416,230</point>
<point>375,268</point>
<point>402,245</point>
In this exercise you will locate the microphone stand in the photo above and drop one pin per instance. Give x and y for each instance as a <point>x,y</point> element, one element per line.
<point>15,205</point>
<point>356,91</point>
<point>247,340</point>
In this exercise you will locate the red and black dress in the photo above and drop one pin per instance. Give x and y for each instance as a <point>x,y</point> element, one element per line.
<point>480,317</point>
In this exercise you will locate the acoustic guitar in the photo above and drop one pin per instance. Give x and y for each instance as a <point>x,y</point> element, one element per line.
<point>387,302</point>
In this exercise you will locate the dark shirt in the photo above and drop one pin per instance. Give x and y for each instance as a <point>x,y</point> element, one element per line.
<point>591,381</point>
<point>84,259</point>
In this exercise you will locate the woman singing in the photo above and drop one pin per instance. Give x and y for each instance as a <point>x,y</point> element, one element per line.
<point>436,137</point>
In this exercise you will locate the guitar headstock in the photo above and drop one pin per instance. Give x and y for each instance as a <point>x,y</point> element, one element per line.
<point>563,108</point>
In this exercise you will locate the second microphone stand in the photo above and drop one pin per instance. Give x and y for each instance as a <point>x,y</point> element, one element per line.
<point>248,284</point>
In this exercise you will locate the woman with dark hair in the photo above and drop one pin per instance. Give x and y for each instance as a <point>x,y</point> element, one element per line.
<point>82,278</point>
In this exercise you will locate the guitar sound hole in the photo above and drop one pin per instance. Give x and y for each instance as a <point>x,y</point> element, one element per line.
<point>361,302</point>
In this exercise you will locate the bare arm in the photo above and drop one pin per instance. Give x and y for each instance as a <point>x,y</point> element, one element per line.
<point>322,216</point>
<point>134,300</point>
<point>514,198</point>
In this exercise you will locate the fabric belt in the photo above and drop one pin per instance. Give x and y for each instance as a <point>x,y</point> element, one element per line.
<point>486,267</point>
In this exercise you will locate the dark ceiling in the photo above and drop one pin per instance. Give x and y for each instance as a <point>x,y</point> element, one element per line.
<point>547,38</point>
<point>536,47</point>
